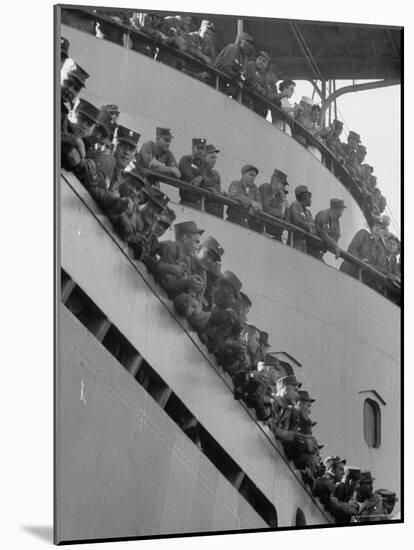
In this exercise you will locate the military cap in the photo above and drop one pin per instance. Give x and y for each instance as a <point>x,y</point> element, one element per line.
<point>71,69</point>
<point>207,24</point>
<point>333,460</point>
<point>136,172</point>
<point>87,109</point>
<point>211,149</point>
<point>167,216</point>
<point>366,476</point>
<point>187,227</point>
<point>214,246</point>
<point>370,168</point>
<point>338,123</point>
<point>352,470</point>
<point>354,135</point>
<point>163,132</point>
<point>198,142</point>
<point>245,299</point>
<point>304,396</point>
<point>288,381</point>
<point>248,167</point>
<point>104,121</point>
<point>64,47</point>
<point>156,196</point>
<point>301,189</point>
<point>230,278</point>
<point>281,176</point>
<point>245,36</point>
<point>387,495</point>
<point>337,203</point>
<point>126,135</point>
<point>112,108</point>
<point>307,100</point>
<point>264,339</point>
<point>264,54</point>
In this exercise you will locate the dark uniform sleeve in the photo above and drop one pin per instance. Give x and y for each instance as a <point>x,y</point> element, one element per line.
<point>225,60</point>
<point>188,173</point>
<point>297,217</point>
<point>236,192</point>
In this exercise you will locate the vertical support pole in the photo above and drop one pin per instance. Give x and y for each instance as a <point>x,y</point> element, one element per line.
<point>323,83</point>
<point>240,26</point>
<point>203,203</point>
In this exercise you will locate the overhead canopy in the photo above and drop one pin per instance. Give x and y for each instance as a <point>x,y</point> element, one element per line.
<point>305,50</point>
<point>339,51</point>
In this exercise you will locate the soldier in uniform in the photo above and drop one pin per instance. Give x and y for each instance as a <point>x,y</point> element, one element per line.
<point>205,259</point>
<point>233,60</point>
<point>325,489</point>
<point>369,248</point>
<point>79,126</point>
<point>392,246</point>
<point>389,498</point>
<point>370,503</point>
<point>274,201</point>
<point>72,80</point>
<point>224,322</point>
<point>332,139</point>
<point>211,181</point>
<point>64,50</point>
<point>299,214</point>
<point>249,198</point>
<point>178,253</point>
<point>350,148</point>
<point>256,78</point>
<point>192,168</point>
<point>201,42</point>
<point>281,413</point>
<point>328,227</point>
<point>114,165</point>
<point>157,155</point>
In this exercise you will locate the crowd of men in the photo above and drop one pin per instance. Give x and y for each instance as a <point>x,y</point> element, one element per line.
<point>104,157</point>
<point>252,70</point>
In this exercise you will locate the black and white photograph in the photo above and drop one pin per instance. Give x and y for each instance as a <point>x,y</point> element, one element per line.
<point>228,259</point>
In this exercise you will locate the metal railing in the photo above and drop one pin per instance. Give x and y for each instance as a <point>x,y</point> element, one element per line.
<point>124,35</point>
<point>386,285</point>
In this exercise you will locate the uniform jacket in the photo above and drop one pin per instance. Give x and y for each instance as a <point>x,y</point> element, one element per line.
<point>244,195</point>
<point>325,224</point>
<point>365,247</point>
<point>231,60</point>
<point>190,168</point>
<point>150,150</point>
<point>272,201</point>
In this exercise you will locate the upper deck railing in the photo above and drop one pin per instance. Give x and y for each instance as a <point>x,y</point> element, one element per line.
<point>126,35</point>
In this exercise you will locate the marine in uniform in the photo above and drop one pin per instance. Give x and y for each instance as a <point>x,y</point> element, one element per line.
<point>370,503</point>
<point>192,168</point>
<point>369,248</point>
<point>72,80</point>
<point>233,60</point>
<point>332,139</point>
<point>157,156</point>
<point>178,253</point>
<point>249,198</point>
<point>201,42</point>
<point>256,78</point>
<point>325,487</point>
<point>328,227</point>
<point>273,199</point>
<point>350,148</point>
<point>211,181</point>
<point>299,214</point>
